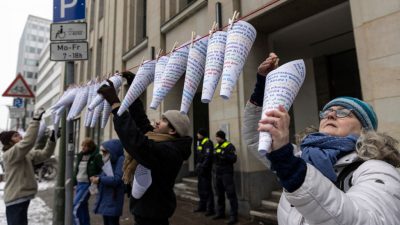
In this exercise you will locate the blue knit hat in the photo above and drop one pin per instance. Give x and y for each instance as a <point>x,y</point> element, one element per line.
<point>363,111</point>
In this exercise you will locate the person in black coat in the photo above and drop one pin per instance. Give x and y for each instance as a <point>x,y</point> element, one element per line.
<point>164,158</point>
<point>225,157</point>
<point>204,154</point>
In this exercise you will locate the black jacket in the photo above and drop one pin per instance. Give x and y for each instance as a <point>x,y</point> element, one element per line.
<point>224,157</point>
<point>164,159</point>
<point>204,156</point>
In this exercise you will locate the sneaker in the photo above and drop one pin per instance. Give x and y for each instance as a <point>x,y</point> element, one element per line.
<point>232,220</point>
<point>209,213</point>
<point>218,217</point>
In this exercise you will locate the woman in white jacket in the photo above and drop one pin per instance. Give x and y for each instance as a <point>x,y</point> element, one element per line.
<point>312,194</point>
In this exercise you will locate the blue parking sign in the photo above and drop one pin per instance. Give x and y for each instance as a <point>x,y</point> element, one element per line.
<point>66,10</point>
<point>18,102</point>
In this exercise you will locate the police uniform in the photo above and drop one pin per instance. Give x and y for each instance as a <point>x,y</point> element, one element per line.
<point>225,157</point>
<point>203,168</point>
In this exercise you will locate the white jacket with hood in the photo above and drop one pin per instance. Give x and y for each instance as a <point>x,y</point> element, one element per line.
<point>373,198</point>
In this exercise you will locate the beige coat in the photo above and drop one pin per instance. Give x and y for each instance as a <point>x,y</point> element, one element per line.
<point>18,164</point>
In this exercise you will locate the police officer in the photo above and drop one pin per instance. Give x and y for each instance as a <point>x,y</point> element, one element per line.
<point>204,153</point>
<point>225,157</point>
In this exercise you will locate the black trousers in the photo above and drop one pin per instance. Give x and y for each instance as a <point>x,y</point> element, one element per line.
<point>206,194</point>
<point>17,214</point>
<point>225,184</point>
<point>111,220</point>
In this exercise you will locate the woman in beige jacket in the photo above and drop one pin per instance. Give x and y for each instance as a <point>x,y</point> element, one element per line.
<point>19,158</point>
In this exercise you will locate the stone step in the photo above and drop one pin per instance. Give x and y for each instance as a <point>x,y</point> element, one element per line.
<point>271,205</point>
<point>264,216</point>
<point>275,196</point>
<point>188,197</point>
<point>190,180</point>
<point>185,187</point>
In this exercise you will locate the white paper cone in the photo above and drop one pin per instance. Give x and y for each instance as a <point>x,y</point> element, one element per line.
<point>106,114</point>
<point>66,99</point>
<point>42,128</point>
<point>158,74</point>
<point>214,64</point>
<point>238,44</point>
<point>143,78</point>
<point>96,114</point>
<point>281,88</point>
<point>175,68</point>
<point>117,81</point>
<point>57,116</point>
<point>77,98</point>
<point>82,101</point>
<point>194,72</point>
<point>141,182</point>
<point>89,114</point>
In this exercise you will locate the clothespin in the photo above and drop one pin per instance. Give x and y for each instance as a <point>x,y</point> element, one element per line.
<point>234,17</point>
<point>159,54</point>
<point>193,36</point>
<point>173,47</point>
<point>212,29</point>
<point>142,61</point>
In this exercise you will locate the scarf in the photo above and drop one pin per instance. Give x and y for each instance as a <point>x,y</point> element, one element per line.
<point>130,163</point>
<point>322,151</point>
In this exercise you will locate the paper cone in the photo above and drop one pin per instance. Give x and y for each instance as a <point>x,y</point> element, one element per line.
<point>143,78</point>
<point>92,94</point>
<point>82,101</point>
<point>117,81</point>
<point>194,72</point>
<point>238,44</point>
<point>57,116</point>
<point>281,88</point>
<point>42,129</point>
<point>214,65</point>
<point>175,68</point>
<point>66,99</point>
<point>96,114</point>
<point>158,74</point>
<point>77,98</point>
<point>141,182</point>
<point>106,114</point>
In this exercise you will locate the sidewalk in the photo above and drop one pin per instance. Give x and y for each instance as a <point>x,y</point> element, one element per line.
<point>40,211</point>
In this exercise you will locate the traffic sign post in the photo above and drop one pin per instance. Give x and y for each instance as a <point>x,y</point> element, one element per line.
<point>68,51</point>
<point>68,31</point>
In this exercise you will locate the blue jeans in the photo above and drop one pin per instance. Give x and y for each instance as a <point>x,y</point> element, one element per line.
<point>81,208</point>
<point>17,214</point>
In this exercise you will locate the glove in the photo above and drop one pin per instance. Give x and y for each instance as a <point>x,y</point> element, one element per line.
<point>109,93</point>
<point>38,114</point>
<point>129,76</point>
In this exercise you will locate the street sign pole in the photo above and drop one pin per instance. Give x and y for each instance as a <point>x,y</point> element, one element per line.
<point>69,162</point>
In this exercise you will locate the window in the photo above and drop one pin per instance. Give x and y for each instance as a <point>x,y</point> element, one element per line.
<point>41,39</point>
<point>35,75</point>
<point>137,22</point>
<point>29,74</point>
<point>30,62</point>
<point>99,58</point>
<point>38,50</point>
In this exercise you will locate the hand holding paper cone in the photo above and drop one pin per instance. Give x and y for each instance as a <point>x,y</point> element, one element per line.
<point>117,81</point>
<point>281,88</point>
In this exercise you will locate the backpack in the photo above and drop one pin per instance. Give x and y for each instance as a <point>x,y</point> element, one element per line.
<point>343,181</point>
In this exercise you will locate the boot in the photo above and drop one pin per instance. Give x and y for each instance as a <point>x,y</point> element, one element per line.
<point>218,217</point>
<point>232,220</point>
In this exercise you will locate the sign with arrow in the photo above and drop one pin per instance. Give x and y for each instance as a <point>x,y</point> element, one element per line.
<point>19,88</point>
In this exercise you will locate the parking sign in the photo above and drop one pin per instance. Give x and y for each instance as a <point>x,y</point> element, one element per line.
<point>67,10</point>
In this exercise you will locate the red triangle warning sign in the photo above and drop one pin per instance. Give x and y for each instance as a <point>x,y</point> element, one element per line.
<point>19,88</point>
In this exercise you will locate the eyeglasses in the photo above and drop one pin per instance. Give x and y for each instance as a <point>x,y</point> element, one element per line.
<point>340,113</point>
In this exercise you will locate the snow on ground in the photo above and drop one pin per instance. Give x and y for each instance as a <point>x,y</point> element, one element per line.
<point>38,213</point>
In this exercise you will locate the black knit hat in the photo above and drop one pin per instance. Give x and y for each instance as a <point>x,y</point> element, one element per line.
<point>202,132</point>
<point>220,134</point>
<point>5,136</point>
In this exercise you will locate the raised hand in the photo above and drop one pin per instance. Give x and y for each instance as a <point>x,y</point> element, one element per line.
<point>109,93</point>
<point>268,65</point>
<point>277,123</point>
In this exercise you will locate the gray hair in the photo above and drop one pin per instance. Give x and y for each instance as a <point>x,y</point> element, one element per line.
<point>379,146</point>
